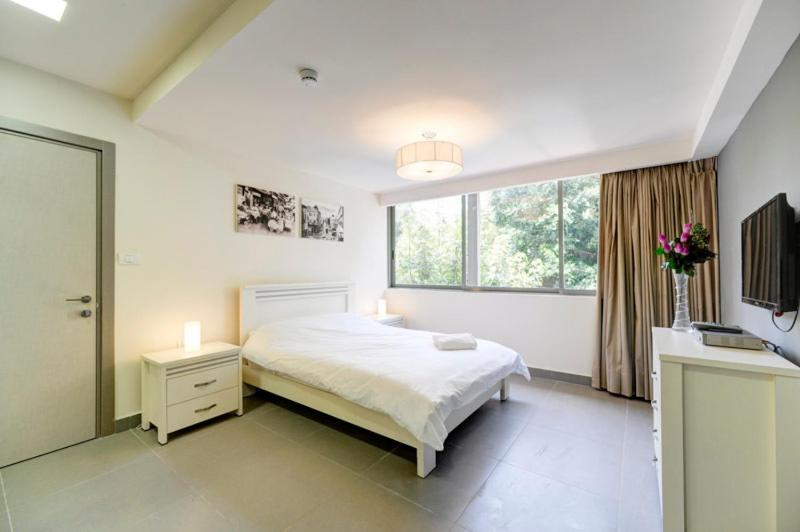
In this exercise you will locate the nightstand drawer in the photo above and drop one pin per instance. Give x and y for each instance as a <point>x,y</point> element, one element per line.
<point>191,412</point>
<point>201,383</point>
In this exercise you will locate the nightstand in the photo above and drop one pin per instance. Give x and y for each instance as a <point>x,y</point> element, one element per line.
<point>394,320</point>
<point>180,389</point>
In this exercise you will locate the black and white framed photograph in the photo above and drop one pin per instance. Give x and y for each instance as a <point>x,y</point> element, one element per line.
<point>265,212</point>
<point>322,221</point>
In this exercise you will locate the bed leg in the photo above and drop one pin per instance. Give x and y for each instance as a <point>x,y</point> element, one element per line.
<point>504,389</point>
<point>426,460</point>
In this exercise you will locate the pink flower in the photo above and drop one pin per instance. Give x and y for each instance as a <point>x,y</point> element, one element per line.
<point>678,247</point>
<point>685,250</point>
<point>667,247</point>
<point>662,238</point>
<point>687,228</point>
<point>685,237</point>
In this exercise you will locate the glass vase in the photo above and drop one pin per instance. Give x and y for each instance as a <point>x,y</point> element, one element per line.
<point>682,322</point>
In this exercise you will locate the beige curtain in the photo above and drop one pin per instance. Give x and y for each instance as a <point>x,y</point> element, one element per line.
<point>634,293</point>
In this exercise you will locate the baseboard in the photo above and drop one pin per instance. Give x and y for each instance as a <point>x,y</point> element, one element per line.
<point>124,423</point>
<point>559,376</point>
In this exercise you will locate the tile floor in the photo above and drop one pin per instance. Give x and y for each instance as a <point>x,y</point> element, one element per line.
<point>556,457</point>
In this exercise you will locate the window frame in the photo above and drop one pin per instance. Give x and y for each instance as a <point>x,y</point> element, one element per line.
<point>473,243</point>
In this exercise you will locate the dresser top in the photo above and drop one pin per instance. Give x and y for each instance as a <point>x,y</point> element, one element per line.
<point>177,357</point>
<point>683,347</point>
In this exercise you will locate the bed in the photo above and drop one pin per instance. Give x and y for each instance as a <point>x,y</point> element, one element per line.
<point>300,342</point>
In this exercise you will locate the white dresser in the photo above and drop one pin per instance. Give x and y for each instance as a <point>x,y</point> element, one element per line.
<point>727,437</point>
<point>180,389</point>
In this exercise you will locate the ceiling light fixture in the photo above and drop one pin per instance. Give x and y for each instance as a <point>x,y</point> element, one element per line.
<point>53,9</point>
<point>429,160</point>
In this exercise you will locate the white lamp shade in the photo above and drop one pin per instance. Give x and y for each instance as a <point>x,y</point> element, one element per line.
<point>429,160</point>
<point>381,307</point>
<point>191,336</point>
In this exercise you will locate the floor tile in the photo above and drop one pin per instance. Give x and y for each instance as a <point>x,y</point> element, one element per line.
<point>236,442</point>
<point>189,513</point>
<point>583,411</point>
<point>67,467</point>
<point>639,507</point>
<point>488,432</point>
<point>639,425</point>
<point>359,505</point>
<point>446,490</point>
<point>350,446</point>
<point>525,397</point>
<point>107,502</point>
<point>266,485</point>
<point>229,436</point>
<point>5,525</point>
<point>592,465</point>
<point>513,499</point>
<point>293,421</point>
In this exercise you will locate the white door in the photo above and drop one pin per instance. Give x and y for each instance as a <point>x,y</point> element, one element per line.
<point>48,255</point>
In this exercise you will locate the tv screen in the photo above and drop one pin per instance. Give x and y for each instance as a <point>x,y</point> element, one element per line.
<point>769,275</point>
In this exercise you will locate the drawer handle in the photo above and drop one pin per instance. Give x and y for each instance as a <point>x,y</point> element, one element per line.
<point>206,409</point>
<point>655,459</point>
<point>201,384</point>
<point>655,430</point>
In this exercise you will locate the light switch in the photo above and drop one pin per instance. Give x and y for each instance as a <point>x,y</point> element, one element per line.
<point>129,259</point>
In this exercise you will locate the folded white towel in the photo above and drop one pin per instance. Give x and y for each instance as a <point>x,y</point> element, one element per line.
<point>451,342</point>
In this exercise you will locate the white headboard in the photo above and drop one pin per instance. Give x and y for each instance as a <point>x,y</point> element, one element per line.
<point>264,303</point>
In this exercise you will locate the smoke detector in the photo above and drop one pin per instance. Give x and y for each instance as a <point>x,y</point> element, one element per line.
<point>308,77</point>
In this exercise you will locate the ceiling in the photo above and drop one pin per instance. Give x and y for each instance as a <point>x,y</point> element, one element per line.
<point>528,83</point>
<point>116,46</point>
<point>531,89</point>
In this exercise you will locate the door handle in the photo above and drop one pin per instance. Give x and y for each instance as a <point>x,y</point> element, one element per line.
<point>86,313</point>
<point>82,299</point>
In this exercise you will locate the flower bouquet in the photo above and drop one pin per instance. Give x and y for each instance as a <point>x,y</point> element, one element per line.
<point>682,254</point>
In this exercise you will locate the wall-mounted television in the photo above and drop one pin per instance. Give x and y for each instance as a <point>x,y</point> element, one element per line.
<point>769,257</point>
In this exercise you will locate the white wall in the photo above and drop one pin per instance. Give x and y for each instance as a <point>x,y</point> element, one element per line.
<point>551,331</point>
<point>177,210</point>
<point>761,159</point>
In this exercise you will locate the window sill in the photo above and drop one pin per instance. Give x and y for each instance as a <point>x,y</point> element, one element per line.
<point>489,289</point>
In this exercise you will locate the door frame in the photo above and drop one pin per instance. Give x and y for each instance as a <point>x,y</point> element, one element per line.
<point>106,153</point>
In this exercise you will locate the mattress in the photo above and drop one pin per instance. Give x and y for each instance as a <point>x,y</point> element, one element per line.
<point>391,370</point>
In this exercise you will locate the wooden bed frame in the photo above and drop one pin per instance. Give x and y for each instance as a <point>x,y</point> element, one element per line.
<point>260,304</point>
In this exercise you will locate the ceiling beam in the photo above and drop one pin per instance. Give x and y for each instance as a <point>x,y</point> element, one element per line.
<point>764,32</point>
<point>223,29</point>
<point>596,163</point>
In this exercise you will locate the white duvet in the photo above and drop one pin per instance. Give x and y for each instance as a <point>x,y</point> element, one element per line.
<point>388,369</point>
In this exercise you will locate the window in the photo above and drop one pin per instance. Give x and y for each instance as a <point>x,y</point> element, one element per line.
<point>541,236</point>
<point>518,237</point>
<point>427,242</point>
<point>581,215</point>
